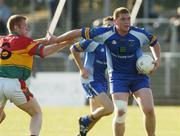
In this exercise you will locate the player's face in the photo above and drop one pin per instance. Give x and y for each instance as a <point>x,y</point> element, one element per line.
<point>23,28</point>
<point>123,23</point>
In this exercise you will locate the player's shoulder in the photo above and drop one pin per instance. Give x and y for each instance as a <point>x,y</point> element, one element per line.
<point>17,37</point>
<point>137,29</point>
<point>27,39</point>
<point>9,38</point>
<point>140,30</point>
<point>101,29</point>
<point>105,28</point>
<point>20,40</point>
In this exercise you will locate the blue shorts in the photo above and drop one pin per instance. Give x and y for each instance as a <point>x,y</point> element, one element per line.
<point>94,88</point>
<point>130,84</point>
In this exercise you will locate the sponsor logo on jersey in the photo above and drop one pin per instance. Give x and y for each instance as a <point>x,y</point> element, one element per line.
<point>102,50</point>
<point>122,50</point>
<point>114,42</point>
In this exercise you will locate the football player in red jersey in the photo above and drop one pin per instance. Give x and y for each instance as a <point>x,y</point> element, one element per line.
<point>16,59</point>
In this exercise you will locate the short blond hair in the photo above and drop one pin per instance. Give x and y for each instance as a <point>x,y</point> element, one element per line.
<point>107,19</point>
<point>120,10</point>
<point>14,20</point>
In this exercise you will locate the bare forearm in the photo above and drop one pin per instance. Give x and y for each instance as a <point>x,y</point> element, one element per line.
<point>50,49</point>
<point>77,59</point>
<point>42,40</point>
<point>71,35</point>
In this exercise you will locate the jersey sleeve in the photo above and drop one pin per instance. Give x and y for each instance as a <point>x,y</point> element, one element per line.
<point>91,33</point>
<point>152,39</point>
<point>85,46</point>
<point>35,48</point>
<point>144,37</point>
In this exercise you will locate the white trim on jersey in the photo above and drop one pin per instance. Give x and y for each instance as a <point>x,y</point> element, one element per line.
<point>92,46</point>
<point>103,37</point>
<point>141,37</point>
<point>109,60</point>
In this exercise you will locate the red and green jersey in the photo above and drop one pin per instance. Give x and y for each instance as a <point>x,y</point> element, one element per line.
<point>16,56</point>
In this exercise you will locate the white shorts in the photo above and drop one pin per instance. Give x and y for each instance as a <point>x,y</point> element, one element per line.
<point>11,89</point>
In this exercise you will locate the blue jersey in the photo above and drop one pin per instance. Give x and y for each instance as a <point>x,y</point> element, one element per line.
<point>122,51</point>
<point>94,60</point>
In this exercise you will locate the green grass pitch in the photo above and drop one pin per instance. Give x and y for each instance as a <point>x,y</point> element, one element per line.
<point>62,121</point>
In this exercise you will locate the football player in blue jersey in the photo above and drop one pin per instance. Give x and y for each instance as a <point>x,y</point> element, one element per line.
<point>93,79</point>
<point>123,44</point>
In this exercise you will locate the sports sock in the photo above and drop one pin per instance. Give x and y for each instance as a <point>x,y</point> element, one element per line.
<point>35,126</point>
<point>86,120</point>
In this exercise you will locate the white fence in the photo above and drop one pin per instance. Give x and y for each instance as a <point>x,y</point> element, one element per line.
<point>171,61</point>
<point>57,89</point>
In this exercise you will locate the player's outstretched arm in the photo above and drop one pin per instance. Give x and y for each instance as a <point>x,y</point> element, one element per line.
<point>47,40</point>
<point>54,48</point>
<point>70,35</point>
<point>42,40</point>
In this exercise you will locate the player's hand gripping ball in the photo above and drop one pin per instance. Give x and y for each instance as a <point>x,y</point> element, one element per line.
<point>145,64</point>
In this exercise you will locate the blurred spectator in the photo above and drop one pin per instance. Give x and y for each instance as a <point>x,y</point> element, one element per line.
<point>53,5</point>
<point>97,22</point>
<point>5,13</point>
<point>175,20</point>
<point>106,21</point>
